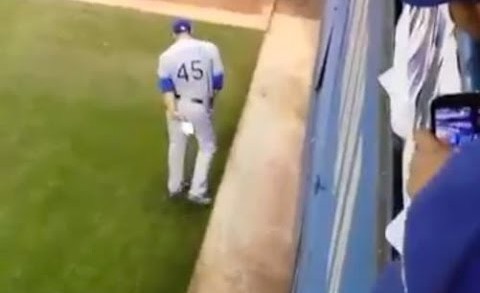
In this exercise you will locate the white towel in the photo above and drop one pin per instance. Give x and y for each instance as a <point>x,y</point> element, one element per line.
<point>187,128</point>
<point>425,44</point>
<point>425,51</point>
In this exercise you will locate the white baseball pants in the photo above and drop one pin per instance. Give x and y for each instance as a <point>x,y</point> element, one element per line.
<point>200,116</point>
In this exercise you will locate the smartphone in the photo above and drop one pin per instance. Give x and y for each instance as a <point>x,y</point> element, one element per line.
<point>456,118</point>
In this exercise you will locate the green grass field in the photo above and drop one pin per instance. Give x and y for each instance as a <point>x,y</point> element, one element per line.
<point>83,203</point>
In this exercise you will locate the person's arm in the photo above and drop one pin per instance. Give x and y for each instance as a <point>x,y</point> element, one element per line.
<point>218,70</point>
<point>466,15</point>
<point>442,232</point>
<point>167,87</point>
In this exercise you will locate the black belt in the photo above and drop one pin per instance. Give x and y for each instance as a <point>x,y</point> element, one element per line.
<point>197,101</point>
<point>202,101</point>
<point>193,100</point>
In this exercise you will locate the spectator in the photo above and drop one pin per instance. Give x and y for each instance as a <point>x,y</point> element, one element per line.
<point>442,243</point>
<point>424,66</point>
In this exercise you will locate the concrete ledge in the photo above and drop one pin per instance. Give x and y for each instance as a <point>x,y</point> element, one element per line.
<point>251,241</point>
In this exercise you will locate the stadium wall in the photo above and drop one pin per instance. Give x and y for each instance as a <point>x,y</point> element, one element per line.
<point>348,152</point>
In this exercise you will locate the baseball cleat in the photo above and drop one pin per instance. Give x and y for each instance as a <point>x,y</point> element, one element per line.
<point>175,194</point>
<point>183,188</point>
<point>200,199</point>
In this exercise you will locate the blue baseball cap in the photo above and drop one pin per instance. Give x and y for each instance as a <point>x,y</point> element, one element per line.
<point>426,3</point>
<point>182,25</point>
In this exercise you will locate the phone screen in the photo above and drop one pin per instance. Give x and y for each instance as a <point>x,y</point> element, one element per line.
<point>457,125</point>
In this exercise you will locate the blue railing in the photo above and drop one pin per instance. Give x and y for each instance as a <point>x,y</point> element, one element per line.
<point>339,247</point>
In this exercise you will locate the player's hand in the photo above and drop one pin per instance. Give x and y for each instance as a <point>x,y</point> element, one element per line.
<point>428,158</point>
<point>173,115</point>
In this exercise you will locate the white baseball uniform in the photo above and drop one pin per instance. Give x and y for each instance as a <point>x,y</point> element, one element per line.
<point>192,69</point>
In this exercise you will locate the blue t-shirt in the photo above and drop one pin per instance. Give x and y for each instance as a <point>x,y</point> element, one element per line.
<point>442,236</point>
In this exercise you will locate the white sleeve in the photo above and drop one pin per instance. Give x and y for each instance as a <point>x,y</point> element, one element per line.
<point>216,61</point>
<point>162,70</point>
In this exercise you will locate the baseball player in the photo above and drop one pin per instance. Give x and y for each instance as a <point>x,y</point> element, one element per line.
<point>190,75</point>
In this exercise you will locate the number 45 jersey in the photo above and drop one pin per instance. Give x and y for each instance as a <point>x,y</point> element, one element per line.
<point>191,69</point>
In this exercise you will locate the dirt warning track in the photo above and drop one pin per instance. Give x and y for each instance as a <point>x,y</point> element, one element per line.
<point>241,13</point>
<point>251,241</point>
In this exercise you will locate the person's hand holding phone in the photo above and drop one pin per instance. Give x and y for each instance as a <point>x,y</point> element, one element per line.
<point>429,157</point>
<point>455,120</point>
